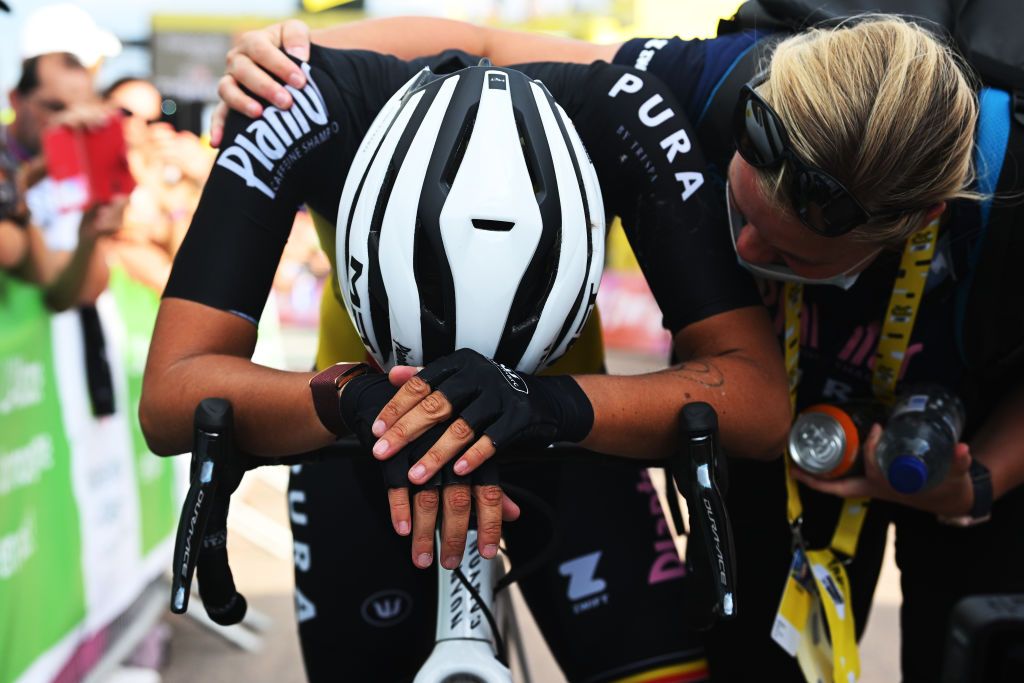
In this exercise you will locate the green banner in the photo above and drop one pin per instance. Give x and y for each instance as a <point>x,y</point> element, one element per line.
<point>41,593</point>
<point>137,306</point>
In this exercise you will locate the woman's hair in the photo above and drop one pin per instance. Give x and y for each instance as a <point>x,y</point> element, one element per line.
<point>886,108</point>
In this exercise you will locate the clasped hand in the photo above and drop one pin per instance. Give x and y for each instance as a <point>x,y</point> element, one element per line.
<point>435,487</point>
<point>442,427</point>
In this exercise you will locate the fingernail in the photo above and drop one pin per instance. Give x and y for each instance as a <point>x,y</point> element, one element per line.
<point>282,99</point>
<point>403,528</point>
<point>378,428</point>
<point>461,467</point>
<point>417,472</point>
<point>489,551</point>
<point>451,562</point>
<point>254,110</point>
<point>381,447</point>
<point>297,80</point>
<point>423,560</point>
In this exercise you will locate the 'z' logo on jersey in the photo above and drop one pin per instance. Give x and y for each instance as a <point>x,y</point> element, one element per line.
<point>585,589</point>
<point>268,147</point>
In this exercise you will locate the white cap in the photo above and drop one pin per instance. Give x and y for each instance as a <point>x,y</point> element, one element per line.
<point>67,28</point>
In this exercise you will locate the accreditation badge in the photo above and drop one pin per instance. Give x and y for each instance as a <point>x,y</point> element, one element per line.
<point>814,622</point>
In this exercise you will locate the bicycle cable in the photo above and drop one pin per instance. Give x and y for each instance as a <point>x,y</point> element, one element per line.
<point>499,643</point>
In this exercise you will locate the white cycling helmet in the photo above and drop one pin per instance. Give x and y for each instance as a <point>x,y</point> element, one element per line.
<point>471,217</point>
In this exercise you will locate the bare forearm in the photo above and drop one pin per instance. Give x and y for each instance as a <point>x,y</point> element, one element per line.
<point>404,37</point>
<point>39,266</point>
<point>80,281</point>
<point>638,415</point>
<point>411,37</point>
<point>273,409</point>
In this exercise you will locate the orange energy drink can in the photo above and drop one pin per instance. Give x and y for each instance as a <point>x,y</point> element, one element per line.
<point>825,440</point>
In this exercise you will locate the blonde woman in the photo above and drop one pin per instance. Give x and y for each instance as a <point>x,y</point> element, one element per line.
<point>849,142</point>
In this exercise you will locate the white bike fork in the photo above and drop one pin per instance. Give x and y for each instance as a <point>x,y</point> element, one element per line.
<point>465,645</point>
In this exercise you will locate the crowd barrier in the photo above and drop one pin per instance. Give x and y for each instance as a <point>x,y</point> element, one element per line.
<point>87,513</point>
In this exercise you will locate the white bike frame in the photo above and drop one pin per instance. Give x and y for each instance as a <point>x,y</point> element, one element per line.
<point>465,647</point>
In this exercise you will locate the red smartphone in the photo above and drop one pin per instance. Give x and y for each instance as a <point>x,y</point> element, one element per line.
<point>89,166</point>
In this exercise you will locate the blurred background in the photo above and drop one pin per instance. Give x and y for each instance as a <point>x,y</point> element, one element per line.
<point>86,512</point>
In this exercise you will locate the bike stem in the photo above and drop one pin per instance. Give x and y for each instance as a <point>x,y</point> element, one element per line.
<point>465,646</point>
<point>459,617</point>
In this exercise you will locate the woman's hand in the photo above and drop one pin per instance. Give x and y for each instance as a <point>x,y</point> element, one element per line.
<point>252,62</point>
<point>492,405</point>
<point>103,219</point>
<point>182,150</point>
<point>89,116</point>
<point>953,497</point>
<point>361,402</point>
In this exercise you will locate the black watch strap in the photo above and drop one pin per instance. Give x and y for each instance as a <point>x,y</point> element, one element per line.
<point>981,480</point>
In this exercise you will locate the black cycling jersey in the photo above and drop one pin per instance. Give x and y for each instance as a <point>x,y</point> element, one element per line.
<point>640,140</point>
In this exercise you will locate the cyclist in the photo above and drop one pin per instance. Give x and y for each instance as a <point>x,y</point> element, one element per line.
<point>616,559</point>
<point>888,115</point>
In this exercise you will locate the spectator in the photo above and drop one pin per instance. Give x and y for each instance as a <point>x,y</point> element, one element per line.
<point>23,251</point>
<point>169,166</point>
<point>55,89</point>
<point>65,27</point>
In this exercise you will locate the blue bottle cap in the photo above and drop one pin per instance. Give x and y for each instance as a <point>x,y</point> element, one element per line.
<point>907,474</point>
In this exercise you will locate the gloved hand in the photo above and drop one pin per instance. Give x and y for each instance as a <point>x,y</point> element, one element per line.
<point>488,399</point>
<point>361,401</point>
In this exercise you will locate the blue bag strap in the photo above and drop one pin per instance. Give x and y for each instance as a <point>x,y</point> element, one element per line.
<point>989,155</point>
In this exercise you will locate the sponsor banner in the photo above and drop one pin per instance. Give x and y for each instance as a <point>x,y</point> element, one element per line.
<point>87,513</point>
<point>155,476</point>
<point>41,587</point>
<point>102,470</point>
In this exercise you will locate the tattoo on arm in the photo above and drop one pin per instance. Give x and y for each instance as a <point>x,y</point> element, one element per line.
<point>702,372</point>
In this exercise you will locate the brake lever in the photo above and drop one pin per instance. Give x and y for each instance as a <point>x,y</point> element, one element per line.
<point>698,470</point>
<point>202,528</point>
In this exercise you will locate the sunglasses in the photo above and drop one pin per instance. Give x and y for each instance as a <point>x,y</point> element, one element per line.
<point>52,106</point>
<point>129,114</point>
<point>821,202</point>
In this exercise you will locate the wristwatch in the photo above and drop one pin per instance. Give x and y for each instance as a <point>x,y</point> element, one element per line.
<point>981,509</point>
<point>326,387</point>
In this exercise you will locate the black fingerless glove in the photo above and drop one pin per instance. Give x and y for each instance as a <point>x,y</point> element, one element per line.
<point>361,402</point>
<point>509,407</point>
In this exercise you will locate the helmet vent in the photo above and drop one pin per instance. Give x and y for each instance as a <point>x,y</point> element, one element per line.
<point>529,156</point>
<point>461,143</point>
<point>428,276</point>
<point>383,198</point>
<point>492,225</point>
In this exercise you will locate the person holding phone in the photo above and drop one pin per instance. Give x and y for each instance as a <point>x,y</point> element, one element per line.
<point>169,168</point>
<point>53,90</point>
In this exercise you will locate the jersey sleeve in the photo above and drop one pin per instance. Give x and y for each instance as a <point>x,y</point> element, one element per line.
<point>268,167</point>
<point>654,177</point>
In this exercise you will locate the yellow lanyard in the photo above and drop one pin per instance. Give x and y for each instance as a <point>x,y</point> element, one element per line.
<point>817,586</point>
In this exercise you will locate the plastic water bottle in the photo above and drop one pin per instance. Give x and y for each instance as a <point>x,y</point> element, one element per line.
<point>916,449</point>
<point>825,440</point>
